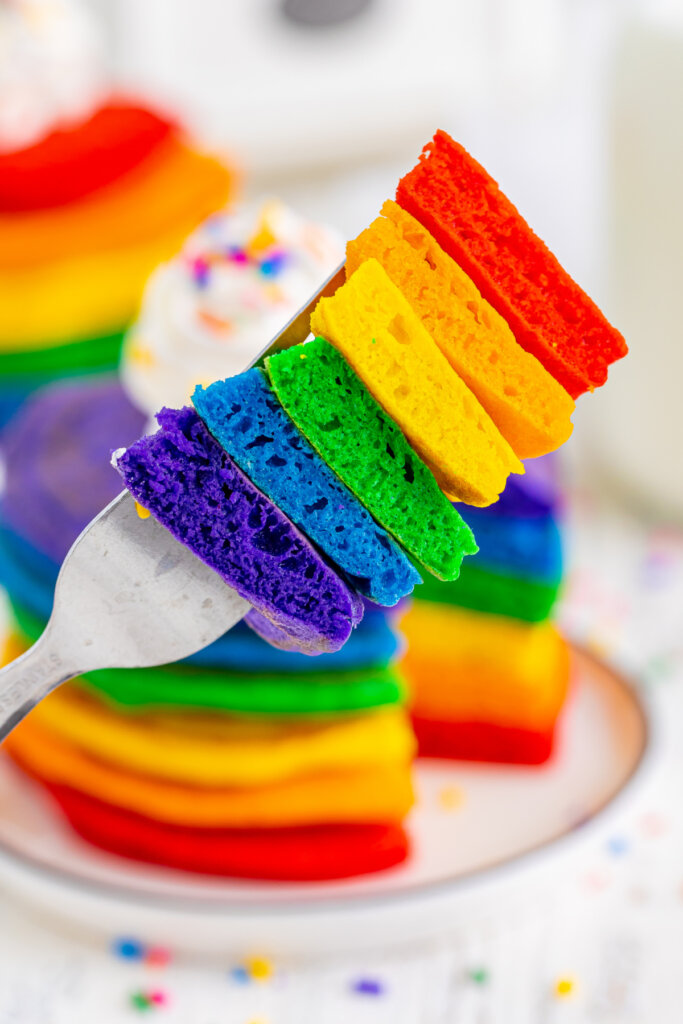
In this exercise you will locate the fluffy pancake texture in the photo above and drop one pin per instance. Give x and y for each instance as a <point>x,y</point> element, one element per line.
<point>531,410</point>
<point>248,421</point>
<point>188,482</point>
<point>374,327</point>
<point>331,406</point>
<point>476,224</point>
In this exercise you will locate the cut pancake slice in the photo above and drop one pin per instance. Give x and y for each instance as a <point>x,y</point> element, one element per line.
<point>529,407</point>
<point>474,222</point>
<point>374,327</point>
<point>248,421</point>
<point>333,408</point>
<point>192,487</point>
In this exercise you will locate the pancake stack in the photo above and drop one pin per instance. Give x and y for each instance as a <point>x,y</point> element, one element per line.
<point>86,212</point>
<point>318,485</point>
<point>487,669</point>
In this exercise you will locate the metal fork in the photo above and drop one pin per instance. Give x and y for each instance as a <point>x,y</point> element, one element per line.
<point>128,594</point>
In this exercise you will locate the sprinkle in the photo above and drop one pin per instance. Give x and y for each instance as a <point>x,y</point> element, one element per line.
<point>262,239</point>
<point>213,321</point>
<point>237,254</point>
<point>451,798</point>
<point>259,968</point>
<point>274,293</point>
<point>140,355</point>
<point>564,988</point>
<point>479,975</point>
<point>158,997</point>
<point>367,987</point>
<point>617,846</point>
<point>302,356</point>
<point>143,513</point>
<point>140,1001</point>
<point>201,270</point>
<point>240,975</point>
<point>653,825</point>
<point>273,265</point>
<point>157,956</point>
<point>128,949</point>
<point>596,880</point>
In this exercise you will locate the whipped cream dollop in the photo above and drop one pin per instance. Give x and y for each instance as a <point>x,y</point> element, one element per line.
<point>206,313</point>
<point>51,71</point>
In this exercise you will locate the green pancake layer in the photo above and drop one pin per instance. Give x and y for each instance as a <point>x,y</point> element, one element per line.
<point>249,694</point>
<point>496,593</point>
<point>84,356</point>
<point>365,448</point>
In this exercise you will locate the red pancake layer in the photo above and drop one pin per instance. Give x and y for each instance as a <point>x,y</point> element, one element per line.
<point>482,741</point>
<point>303,854</point>
<point>73,162</point>
<point>477,225</point>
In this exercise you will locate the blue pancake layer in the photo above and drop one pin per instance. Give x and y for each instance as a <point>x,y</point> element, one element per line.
<point>248,421</point>
<point>30,577</point>
<point>20,576</point>
<point>11,399</point>
<point>530,548</point>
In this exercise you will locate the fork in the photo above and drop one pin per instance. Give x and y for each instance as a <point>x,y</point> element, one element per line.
<point>129,595</point>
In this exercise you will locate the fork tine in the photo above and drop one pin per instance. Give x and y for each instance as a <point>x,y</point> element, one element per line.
<point>299,327</point>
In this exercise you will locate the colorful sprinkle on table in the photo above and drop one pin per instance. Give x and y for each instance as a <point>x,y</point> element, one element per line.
<point>157,956</point>
<point>479,975</point>
<point>139,1001</point>
<point>156,999</point>
<point>367,987</point>
<point>240,975</point>
<point>617,846</point>
<point>564,988</point>
<point>128,949</point>
<point>653,825</point>
<point>259,968</point>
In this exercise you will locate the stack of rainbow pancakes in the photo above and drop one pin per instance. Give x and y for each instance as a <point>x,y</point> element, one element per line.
<point>488,670</point>
<point>87,210</point>
<point>320,485</point>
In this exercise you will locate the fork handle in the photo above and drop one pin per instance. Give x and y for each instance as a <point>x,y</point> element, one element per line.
<point>25,681</point>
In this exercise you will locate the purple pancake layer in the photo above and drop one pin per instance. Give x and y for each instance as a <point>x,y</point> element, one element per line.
<point>194,489</point>
<point>57,457</point>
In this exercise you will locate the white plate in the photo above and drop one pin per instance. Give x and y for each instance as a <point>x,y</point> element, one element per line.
<point>516,825</point>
